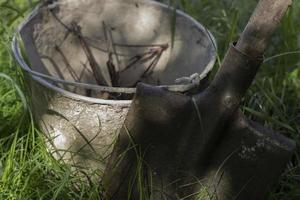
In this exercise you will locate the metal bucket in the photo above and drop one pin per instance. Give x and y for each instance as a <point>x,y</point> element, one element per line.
<point>80,125</point>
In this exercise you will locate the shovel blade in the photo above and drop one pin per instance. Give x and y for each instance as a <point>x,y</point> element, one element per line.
<point>160,153</point>
<point>246,162</point>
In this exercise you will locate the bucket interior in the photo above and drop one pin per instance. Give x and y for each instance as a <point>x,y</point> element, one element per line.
<point>123,42</point>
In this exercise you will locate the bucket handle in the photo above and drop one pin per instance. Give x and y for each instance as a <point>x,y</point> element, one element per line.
<point>18,56</point>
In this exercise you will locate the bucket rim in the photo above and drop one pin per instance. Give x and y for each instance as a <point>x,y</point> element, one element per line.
<point>47,81</point>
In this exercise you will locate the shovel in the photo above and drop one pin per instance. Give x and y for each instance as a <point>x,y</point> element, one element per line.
<point>200,146</point>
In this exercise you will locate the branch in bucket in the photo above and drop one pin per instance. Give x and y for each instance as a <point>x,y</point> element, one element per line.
<point>152,65</point>
<point>155,51</point>
<point>153,54</point>
<point>68,65</point>
<point>114,75</point>
<point>76,30</point>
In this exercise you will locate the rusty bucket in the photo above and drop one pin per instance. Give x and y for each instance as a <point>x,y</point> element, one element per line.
<point>65,41</point>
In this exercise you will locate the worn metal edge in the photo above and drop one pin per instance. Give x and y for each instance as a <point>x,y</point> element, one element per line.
<point>40,78</point>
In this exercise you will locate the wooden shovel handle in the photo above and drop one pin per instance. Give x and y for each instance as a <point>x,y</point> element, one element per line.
<point>261,26</point>
<point>243,59</point>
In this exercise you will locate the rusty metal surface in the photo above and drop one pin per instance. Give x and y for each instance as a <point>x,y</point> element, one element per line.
<point>79,133</point>
<point>190,146</point>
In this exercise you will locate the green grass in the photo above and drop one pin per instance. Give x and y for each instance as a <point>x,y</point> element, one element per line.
<point>28,172</point>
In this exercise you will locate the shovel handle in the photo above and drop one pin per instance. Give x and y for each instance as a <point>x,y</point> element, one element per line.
<point>262,24</point>
<point>243,59</point>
